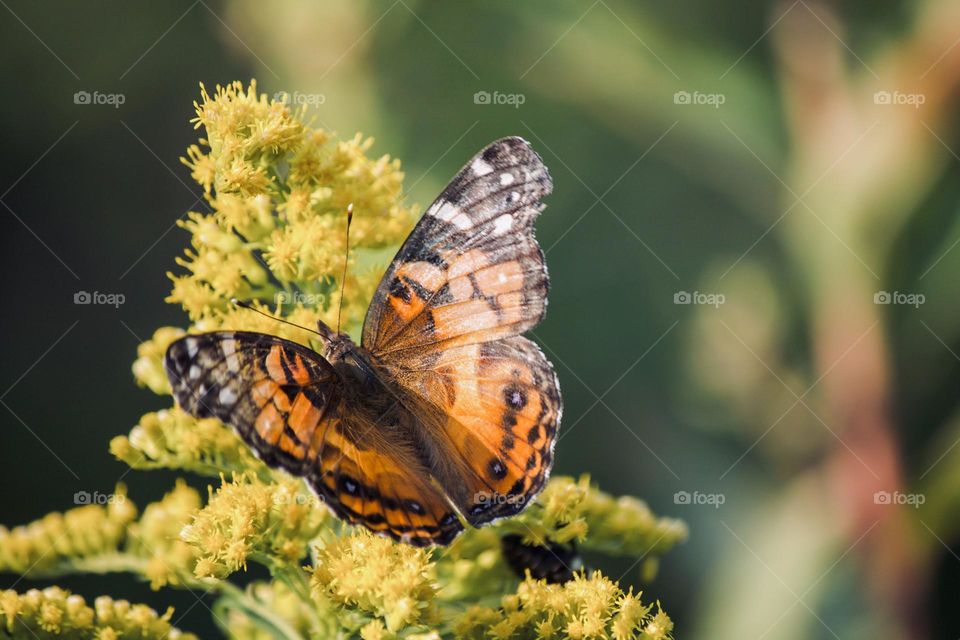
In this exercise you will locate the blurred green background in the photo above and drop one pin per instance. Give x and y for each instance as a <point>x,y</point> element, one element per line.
<point>754,311</point>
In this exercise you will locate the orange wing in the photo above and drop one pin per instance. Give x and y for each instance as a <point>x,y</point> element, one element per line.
<point>492,411</point>
<point>291,407</point>
<point>445,323</point>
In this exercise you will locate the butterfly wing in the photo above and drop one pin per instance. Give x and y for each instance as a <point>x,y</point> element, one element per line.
<point>445,323</point>
<point>471,270</point>
<point>491,410</point>
<point>290,405</point>
<point>278,395</point>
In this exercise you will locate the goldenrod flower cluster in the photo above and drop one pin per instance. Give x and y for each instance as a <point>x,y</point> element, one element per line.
<point>172,439</point>
<point>572,510</point>
<point>42,546</point>
<point>585,607</point>
<point>155,538</point>
<point>372,575</point>
<point>53,612</point>
<point>247,519</point>
<point>277,191</point>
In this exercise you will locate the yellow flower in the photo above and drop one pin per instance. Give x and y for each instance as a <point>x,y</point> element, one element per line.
<point>394,582</point>
<point>173,439</point>
<point>245,518</point>
<point>148,367</point>
<point>573,510</point>
<point>155,537</point>
<point>59,538</point>
<point>280,230</point>
<point>203,168</point>
<point>585,607</point>
<point>55,612</point>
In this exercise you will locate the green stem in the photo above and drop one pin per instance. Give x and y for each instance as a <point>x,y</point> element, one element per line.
<point>278,627</point>
<point>231,595</point>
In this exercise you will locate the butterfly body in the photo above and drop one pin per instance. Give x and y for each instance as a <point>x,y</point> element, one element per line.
<point>443,412</point>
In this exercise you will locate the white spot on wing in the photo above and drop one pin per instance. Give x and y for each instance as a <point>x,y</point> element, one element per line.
<point>462,221</point>
<point>193,346</point>
<point>502,224</point>
<point>227,396</point>
<point>506,179</point>
<point>194,372</point>
<point>230,351</point>
<point>481,167</point>
<point>444,210</point>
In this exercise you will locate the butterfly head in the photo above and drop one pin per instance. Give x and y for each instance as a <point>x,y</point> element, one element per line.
<point>335,344</point>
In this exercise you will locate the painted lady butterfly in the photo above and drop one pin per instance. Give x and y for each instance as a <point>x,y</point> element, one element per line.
<point>444,412</point>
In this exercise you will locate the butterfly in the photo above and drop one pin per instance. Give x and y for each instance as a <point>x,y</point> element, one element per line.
<point>444,412</point>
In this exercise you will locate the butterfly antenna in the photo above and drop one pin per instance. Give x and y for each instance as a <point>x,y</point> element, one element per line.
<point>244,305</point>
<point>346,259</point>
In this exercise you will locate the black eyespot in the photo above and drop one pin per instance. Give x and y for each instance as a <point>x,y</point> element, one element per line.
<point>414,506</point>
<point>515,397</point>
<point>349,485</point>
<point>497,469</point>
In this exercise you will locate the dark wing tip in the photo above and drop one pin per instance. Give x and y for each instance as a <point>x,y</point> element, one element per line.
<point>513,156</point>
<point>515,151</point>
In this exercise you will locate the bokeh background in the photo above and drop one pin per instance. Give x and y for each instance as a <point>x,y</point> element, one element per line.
<point>752,242</point>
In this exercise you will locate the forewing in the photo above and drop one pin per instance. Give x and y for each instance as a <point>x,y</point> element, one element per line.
<point>278,395</point>
<point>471,271</point>
<point>290,406</point>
